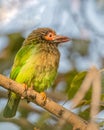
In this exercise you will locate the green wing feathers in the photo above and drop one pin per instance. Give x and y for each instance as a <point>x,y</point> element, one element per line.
<point>20,60</point>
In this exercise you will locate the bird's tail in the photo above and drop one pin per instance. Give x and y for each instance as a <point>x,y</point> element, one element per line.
<point>12,105</point>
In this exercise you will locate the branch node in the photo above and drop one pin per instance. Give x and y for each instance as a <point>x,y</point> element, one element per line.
<point>60,113</point>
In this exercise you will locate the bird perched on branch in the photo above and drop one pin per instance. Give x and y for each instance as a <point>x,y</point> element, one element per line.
<point>35,64</point>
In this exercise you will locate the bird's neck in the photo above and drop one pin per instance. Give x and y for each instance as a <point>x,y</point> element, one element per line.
<point>48,47</point>
<point>41,46</point>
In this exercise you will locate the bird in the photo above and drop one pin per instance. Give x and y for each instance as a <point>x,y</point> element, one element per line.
<point>35,64</point>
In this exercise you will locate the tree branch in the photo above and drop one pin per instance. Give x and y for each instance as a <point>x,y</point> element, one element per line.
<point>49,105</point>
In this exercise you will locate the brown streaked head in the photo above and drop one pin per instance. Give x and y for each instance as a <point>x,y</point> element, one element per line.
<point>46,35</point>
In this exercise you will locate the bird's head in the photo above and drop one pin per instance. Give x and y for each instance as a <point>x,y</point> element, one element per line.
<point>45,35</point>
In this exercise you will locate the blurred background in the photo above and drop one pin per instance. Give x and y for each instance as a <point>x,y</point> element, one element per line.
<point>81,20</point>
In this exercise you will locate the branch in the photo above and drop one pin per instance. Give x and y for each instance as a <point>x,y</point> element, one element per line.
<point>49,105</point>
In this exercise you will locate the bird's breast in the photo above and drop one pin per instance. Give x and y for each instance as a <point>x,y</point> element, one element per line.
<point>47,60</point>
<point>45,68</point>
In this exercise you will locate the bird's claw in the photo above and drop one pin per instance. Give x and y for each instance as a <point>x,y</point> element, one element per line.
<point>44,97</point>
<point>25,86</point>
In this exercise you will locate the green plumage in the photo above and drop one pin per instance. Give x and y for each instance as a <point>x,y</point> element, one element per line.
<point>35,65</point>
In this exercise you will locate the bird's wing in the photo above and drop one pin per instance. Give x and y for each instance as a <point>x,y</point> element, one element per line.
<point>21,57</point>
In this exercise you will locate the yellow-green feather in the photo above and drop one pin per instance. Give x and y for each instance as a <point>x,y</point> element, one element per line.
<point>20,60</point>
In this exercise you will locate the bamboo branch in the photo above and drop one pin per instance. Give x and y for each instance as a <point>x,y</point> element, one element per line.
<point>49,105</point>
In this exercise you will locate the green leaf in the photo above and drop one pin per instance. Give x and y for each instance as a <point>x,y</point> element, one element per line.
<point>69,77</point>
<point>76,83</point>
<point>85,114</point>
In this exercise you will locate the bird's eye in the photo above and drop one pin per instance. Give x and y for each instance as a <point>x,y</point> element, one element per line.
<point>50,36</point>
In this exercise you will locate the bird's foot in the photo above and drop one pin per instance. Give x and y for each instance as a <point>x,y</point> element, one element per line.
<point>44,97</point>
<point>31,87</point>
<point>26,88</point>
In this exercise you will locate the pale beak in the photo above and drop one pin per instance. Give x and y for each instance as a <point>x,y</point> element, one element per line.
<point>60,39</point>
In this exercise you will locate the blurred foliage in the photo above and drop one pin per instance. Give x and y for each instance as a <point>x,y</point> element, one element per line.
<point>85,113</point>
<point>81,46</point>
<point>15,42</point>
<point>75,85</point>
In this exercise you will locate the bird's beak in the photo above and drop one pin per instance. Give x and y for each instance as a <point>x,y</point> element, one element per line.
<point>60,39</point>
